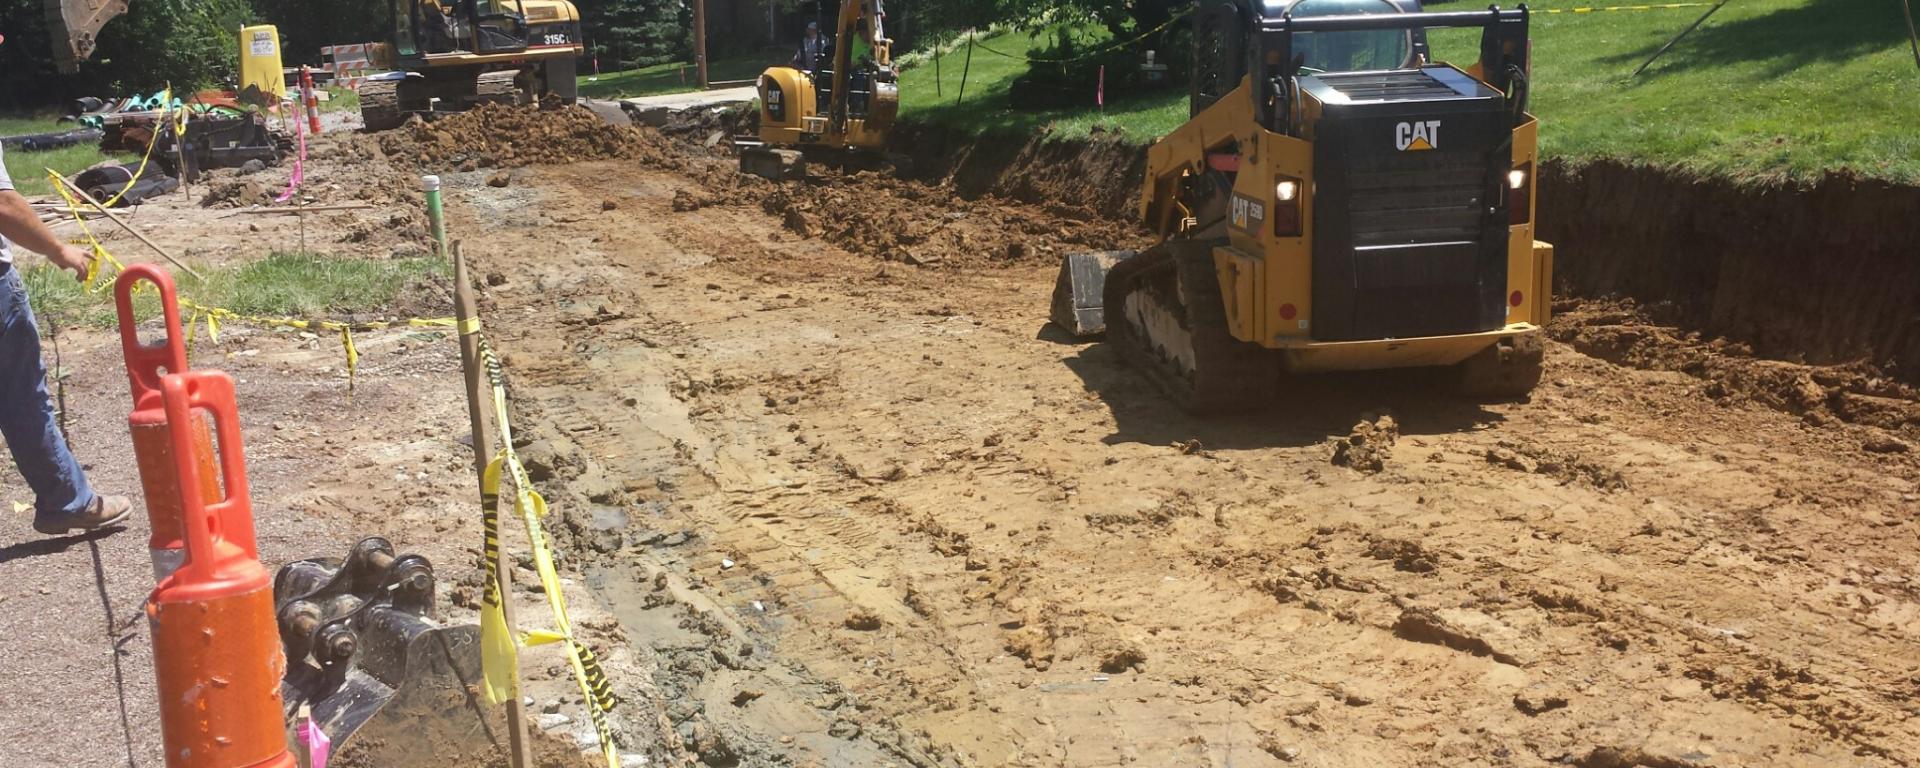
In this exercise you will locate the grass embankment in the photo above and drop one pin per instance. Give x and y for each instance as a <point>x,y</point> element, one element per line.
<point>280,285</point>
<point>1766,88</point>
<point>931,93</point>
<point>29,169</point>
<point>677,77</point>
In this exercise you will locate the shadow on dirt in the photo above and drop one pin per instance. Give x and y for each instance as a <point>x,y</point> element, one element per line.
<point>1303,410</point>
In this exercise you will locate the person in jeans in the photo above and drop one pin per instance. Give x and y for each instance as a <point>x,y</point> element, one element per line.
<point>63,501</point>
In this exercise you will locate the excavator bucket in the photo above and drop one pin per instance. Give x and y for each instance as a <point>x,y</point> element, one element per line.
<point>1077,292</point>
<point>73,25</point>
<point>385,681</point>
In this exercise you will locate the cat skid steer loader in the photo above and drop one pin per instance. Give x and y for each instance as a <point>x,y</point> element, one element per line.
<point>1337,202</point>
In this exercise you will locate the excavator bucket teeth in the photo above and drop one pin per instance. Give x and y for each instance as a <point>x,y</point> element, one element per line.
<point>1077,292</point>
<point>74,25</point>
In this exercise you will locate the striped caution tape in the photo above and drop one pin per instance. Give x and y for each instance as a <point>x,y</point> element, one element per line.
<point>159,123</point>
<point>1609,8</point>
<point>499,656</point>
<point>104,268</point>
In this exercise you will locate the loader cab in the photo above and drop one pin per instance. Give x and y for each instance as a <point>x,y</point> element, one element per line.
<point>1357,50</point>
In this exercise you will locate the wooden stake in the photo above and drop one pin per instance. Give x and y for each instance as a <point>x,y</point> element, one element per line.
<point>700,40</point>
<point>124,225</point>
<point>465,314</point>
<point>1913,38</point>
<point>306,209</point>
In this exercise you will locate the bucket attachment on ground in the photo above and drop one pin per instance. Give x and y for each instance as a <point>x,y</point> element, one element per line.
<point>383,678</point>
<point>222,142</point>
<point>1077,292</point>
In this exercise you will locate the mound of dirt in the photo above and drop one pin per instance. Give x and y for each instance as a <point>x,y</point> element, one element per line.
<point>500,136</point>
<point>877,215</point>
<point>1368,446</point>
<point>1624,332</point>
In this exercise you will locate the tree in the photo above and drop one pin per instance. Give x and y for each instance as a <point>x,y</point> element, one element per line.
<point>638,33</point>
<point>189,43</point>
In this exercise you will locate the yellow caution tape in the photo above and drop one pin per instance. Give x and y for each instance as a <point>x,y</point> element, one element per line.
<point>499,655</point>
<point>166,105</point>
<point>469,326</point>
<point>499,664</point>
<point>98,279</point>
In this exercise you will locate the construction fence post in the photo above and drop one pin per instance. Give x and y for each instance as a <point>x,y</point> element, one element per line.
<point>467,324</point>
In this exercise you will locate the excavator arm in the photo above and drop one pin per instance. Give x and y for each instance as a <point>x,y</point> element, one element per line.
<point>74,25</point>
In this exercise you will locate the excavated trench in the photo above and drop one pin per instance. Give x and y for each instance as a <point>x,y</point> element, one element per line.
<point>1821,274</point>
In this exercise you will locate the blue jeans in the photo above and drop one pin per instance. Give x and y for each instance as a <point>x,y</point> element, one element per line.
<point>26,414</point>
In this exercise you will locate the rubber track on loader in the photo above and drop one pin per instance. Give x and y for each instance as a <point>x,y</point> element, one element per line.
<point>1165,314</point>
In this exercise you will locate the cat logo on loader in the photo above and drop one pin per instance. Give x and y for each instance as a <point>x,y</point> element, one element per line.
<point>1416,136</point>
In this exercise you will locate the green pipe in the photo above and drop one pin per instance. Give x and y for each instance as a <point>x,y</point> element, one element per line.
<point>435,216</point>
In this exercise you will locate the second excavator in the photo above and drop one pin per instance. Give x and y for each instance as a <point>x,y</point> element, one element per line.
<point>834,105</point>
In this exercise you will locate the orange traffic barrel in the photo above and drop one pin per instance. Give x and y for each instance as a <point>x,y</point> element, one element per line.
<point>152,445</point>
<point>216,647</point>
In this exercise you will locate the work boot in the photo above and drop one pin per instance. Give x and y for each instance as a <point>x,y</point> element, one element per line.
<point>104,511</point>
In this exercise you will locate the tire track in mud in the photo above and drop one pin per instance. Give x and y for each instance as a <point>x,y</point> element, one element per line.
<point>871,502</point>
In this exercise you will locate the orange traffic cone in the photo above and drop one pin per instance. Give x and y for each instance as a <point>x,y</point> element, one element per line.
<point>216,647</point>
<point>152,443</point>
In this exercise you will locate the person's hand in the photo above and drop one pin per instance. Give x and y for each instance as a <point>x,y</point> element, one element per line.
<point>75,258</point>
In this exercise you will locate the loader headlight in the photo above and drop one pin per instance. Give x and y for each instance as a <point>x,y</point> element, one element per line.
<point>1286,206</point>
<point>1520,195</point>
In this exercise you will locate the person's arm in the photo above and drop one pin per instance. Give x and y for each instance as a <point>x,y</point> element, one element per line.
<point>19,224</point>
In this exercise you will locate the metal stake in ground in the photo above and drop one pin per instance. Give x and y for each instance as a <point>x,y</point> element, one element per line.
<point>1676,38</point>
<point>965,68</point>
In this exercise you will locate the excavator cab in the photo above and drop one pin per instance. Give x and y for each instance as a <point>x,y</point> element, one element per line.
<point>427,27</point>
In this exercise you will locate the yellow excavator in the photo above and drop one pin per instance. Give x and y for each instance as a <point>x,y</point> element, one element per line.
<point>846,102</point>
<point>1336,202</point>
<point>450,56</point>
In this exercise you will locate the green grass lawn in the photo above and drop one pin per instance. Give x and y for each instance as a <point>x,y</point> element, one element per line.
<point>280,285</point>
<point>677,77</point>
<point>29,169</point>
<point>1766,88</point>
<point>931,94</point>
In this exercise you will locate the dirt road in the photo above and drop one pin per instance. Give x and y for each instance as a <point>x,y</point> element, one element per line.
<point>854,512</point>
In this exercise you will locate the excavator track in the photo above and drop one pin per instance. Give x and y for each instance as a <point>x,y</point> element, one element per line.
<point>501,87</point>
<point>1165,314</point>
<point>380,105</point>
